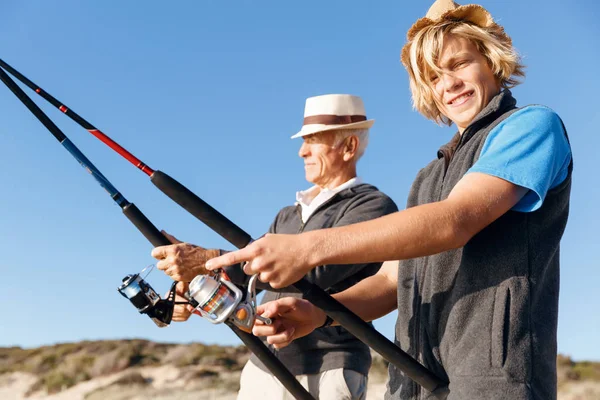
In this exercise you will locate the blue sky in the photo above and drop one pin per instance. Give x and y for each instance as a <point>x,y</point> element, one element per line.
<point>209,92</point>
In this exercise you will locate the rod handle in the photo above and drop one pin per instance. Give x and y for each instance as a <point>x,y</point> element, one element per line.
<point>200,209</point>
<point>143,224</point>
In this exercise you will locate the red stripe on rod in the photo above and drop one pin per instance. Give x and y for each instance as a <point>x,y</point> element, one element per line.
<point>119,149</point>
<point>63,109</point>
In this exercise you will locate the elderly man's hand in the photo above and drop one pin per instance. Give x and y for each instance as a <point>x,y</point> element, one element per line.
<point>181,312</point>
<point>280,260</point>
<point>182,261</point>
<point>292,319</point>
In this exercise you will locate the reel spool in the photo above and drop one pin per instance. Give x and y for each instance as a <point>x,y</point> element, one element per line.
<point>218,299</point>
<point>145,299</point>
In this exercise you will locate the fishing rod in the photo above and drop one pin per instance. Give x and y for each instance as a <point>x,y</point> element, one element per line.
<point>134,287</point>
<point>239,238</point>
<point>173,189</point>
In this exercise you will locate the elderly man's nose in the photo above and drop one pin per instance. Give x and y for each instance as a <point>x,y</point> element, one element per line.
<point>304,150</point>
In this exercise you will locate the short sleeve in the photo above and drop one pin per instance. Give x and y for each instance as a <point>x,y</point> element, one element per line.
<point>529,149</point>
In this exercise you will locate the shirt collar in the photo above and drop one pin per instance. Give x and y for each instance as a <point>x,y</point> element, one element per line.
<point>305,197</point>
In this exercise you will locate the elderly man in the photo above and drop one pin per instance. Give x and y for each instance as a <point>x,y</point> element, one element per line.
<point>330,362</point>
<point>477,287</point>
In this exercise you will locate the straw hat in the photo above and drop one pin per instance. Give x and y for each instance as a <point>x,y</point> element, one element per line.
<point>448,10</point>
<point>333,111</point>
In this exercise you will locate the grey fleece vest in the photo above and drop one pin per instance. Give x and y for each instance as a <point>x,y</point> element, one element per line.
<point>484,316</point>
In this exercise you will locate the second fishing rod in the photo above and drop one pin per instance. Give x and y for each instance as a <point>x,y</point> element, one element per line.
<point>239,238</point>
<point>141,295</point>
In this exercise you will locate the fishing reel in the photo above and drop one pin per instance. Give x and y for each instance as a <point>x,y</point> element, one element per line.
<point>217,300</point>
<point>146,300</point>
<point>214,297</point>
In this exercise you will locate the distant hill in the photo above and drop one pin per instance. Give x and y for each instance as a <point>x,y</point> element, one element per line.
<point>126,369</point>
<point>62,366</point>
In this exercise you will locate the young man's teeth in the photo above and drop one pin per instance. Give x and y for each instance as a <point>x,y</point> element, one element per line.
<point>464,96</point>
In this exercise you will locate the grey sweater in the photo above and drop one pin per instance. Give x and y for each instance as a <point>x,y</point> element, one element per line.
<point>333,347</point>
<point>483,316</point>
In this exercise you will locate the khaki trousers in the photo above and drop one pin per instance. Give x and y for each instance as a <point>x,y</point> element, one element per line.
<point>335,384</point>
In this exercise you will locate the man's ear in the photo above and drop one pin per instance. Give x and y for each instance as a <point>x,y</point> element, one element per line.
<point>350,147</point>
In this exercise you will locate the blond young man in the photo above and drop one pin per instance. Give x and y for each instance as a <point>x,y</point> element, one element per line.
<point>329,362</point>
<point>477,286</point>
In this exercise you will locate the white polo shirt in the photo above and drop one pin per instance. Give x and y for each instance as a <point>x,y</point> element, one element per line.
<point>313,198</point>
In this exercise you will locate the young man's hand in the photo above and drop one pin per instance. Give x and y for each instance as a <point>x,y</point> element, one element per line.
<point>292,319</point>
<point>279,260</point>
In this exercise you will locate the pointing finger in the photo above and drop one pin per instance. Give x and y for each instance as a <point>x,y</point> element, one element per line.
<point>228,259</point>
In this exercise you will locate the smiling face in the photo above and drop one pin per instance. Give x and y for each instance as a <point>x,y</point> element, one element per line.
<point>465,83</point>
<point>327,163</point>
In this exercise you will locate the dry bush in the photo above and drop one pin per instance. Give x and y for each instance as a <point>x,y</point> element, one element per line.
<point>131,378</point>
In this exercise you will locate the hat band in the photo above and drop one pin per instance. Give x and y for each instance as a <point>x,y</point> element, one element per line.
<point>329,119</point>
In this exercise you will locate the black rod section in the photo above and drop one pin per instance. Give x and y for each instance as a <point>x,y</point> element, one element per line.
<point>154,236</point>
<point>272,363</point>
<point>44,94</point>
<point>54,130</point>
<point>200,209</point>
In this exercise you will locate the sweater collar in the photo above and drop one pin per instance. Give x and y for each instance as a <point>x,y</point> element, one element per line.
<point>499,104</point>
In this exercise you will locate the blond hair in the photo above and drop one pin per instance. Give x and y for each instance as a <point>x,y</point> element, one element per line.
<point>425,49</point>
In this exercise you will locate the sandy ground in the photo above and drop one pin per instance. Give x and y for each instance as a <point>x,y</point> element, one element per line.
<point>167,385</point>
<point>13,386</point>
<point>580,391</point>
